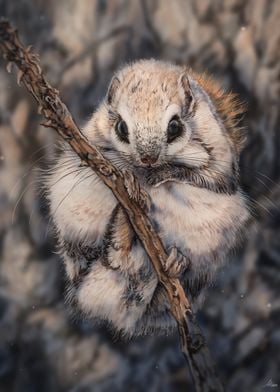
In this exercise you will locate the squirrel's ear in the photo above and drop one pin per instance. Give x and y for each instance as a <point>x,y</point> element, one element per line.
<point>186,93</point>
<point>113,87</point>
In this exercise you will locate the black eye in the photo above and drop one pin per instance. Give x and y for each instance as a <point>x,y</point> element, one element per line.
<point>174,130</point>
<point>122,131</point>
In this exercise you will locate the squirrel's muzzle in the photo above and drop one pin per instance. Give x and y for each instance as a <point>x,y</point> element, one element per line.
<point>149,159</point>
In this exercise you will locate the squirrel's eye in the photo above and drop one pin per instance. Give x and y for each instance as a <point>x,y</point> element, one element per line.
<point>122,131</point>
<point>174,130</point>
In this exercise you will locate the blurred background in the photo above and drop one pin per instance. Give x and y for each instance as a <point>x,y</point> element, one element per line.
<point>81,43</point>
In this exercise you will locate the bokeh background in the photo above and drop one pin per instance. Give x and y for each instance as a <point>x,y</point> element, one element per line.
<point>81,43</point>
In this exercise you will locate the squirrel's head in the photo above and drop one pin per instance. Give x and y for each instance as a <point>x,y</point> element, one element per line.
<point>157,114</point>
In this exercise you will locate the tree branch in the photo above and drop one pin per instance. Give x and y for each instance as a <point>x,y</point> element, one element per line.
<point>193,344</point>
<point>88,49</point>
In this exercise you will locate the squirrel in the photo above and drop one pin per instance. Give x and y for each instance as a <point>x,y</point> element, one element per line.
<point>177,131</point>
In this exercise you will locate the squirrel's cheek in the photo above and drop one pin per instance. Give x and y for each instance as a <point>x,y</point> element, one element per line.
<point>196,156</point>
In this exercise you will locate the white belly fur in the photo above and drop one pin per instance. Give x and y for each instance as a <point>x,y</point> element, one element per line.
<point>188,217</point>
<point>195,218</point>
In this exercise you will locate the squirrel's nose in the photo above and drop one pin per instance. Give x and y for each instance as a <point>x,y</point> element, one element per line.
<point>149,159</point>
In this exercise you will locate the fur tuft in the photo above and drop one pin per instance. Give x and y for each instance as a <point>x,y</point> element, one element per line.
<point>228,105</point>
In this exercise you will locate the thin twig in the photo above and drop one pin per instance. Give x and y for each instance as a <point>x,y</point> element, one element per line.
<point>193,344</point>
<point>88,49</point>
<point>149,24</point>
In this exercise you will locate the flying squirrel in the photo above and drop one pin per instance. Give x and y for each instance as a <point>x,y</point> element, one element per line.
<point>177,132</point>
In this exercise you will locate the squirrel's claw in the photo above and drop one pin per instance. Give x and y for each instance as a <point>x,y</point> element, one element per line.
<point>176,263</point>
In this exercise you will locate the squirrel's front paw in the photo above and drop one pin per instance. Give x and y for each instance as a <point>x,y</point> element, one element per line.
<point>135,191</point>
<point>176,263</point>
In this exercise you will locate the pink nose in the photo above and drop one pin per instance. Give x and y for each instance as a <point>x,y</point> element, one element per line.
<point>149,159</point>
